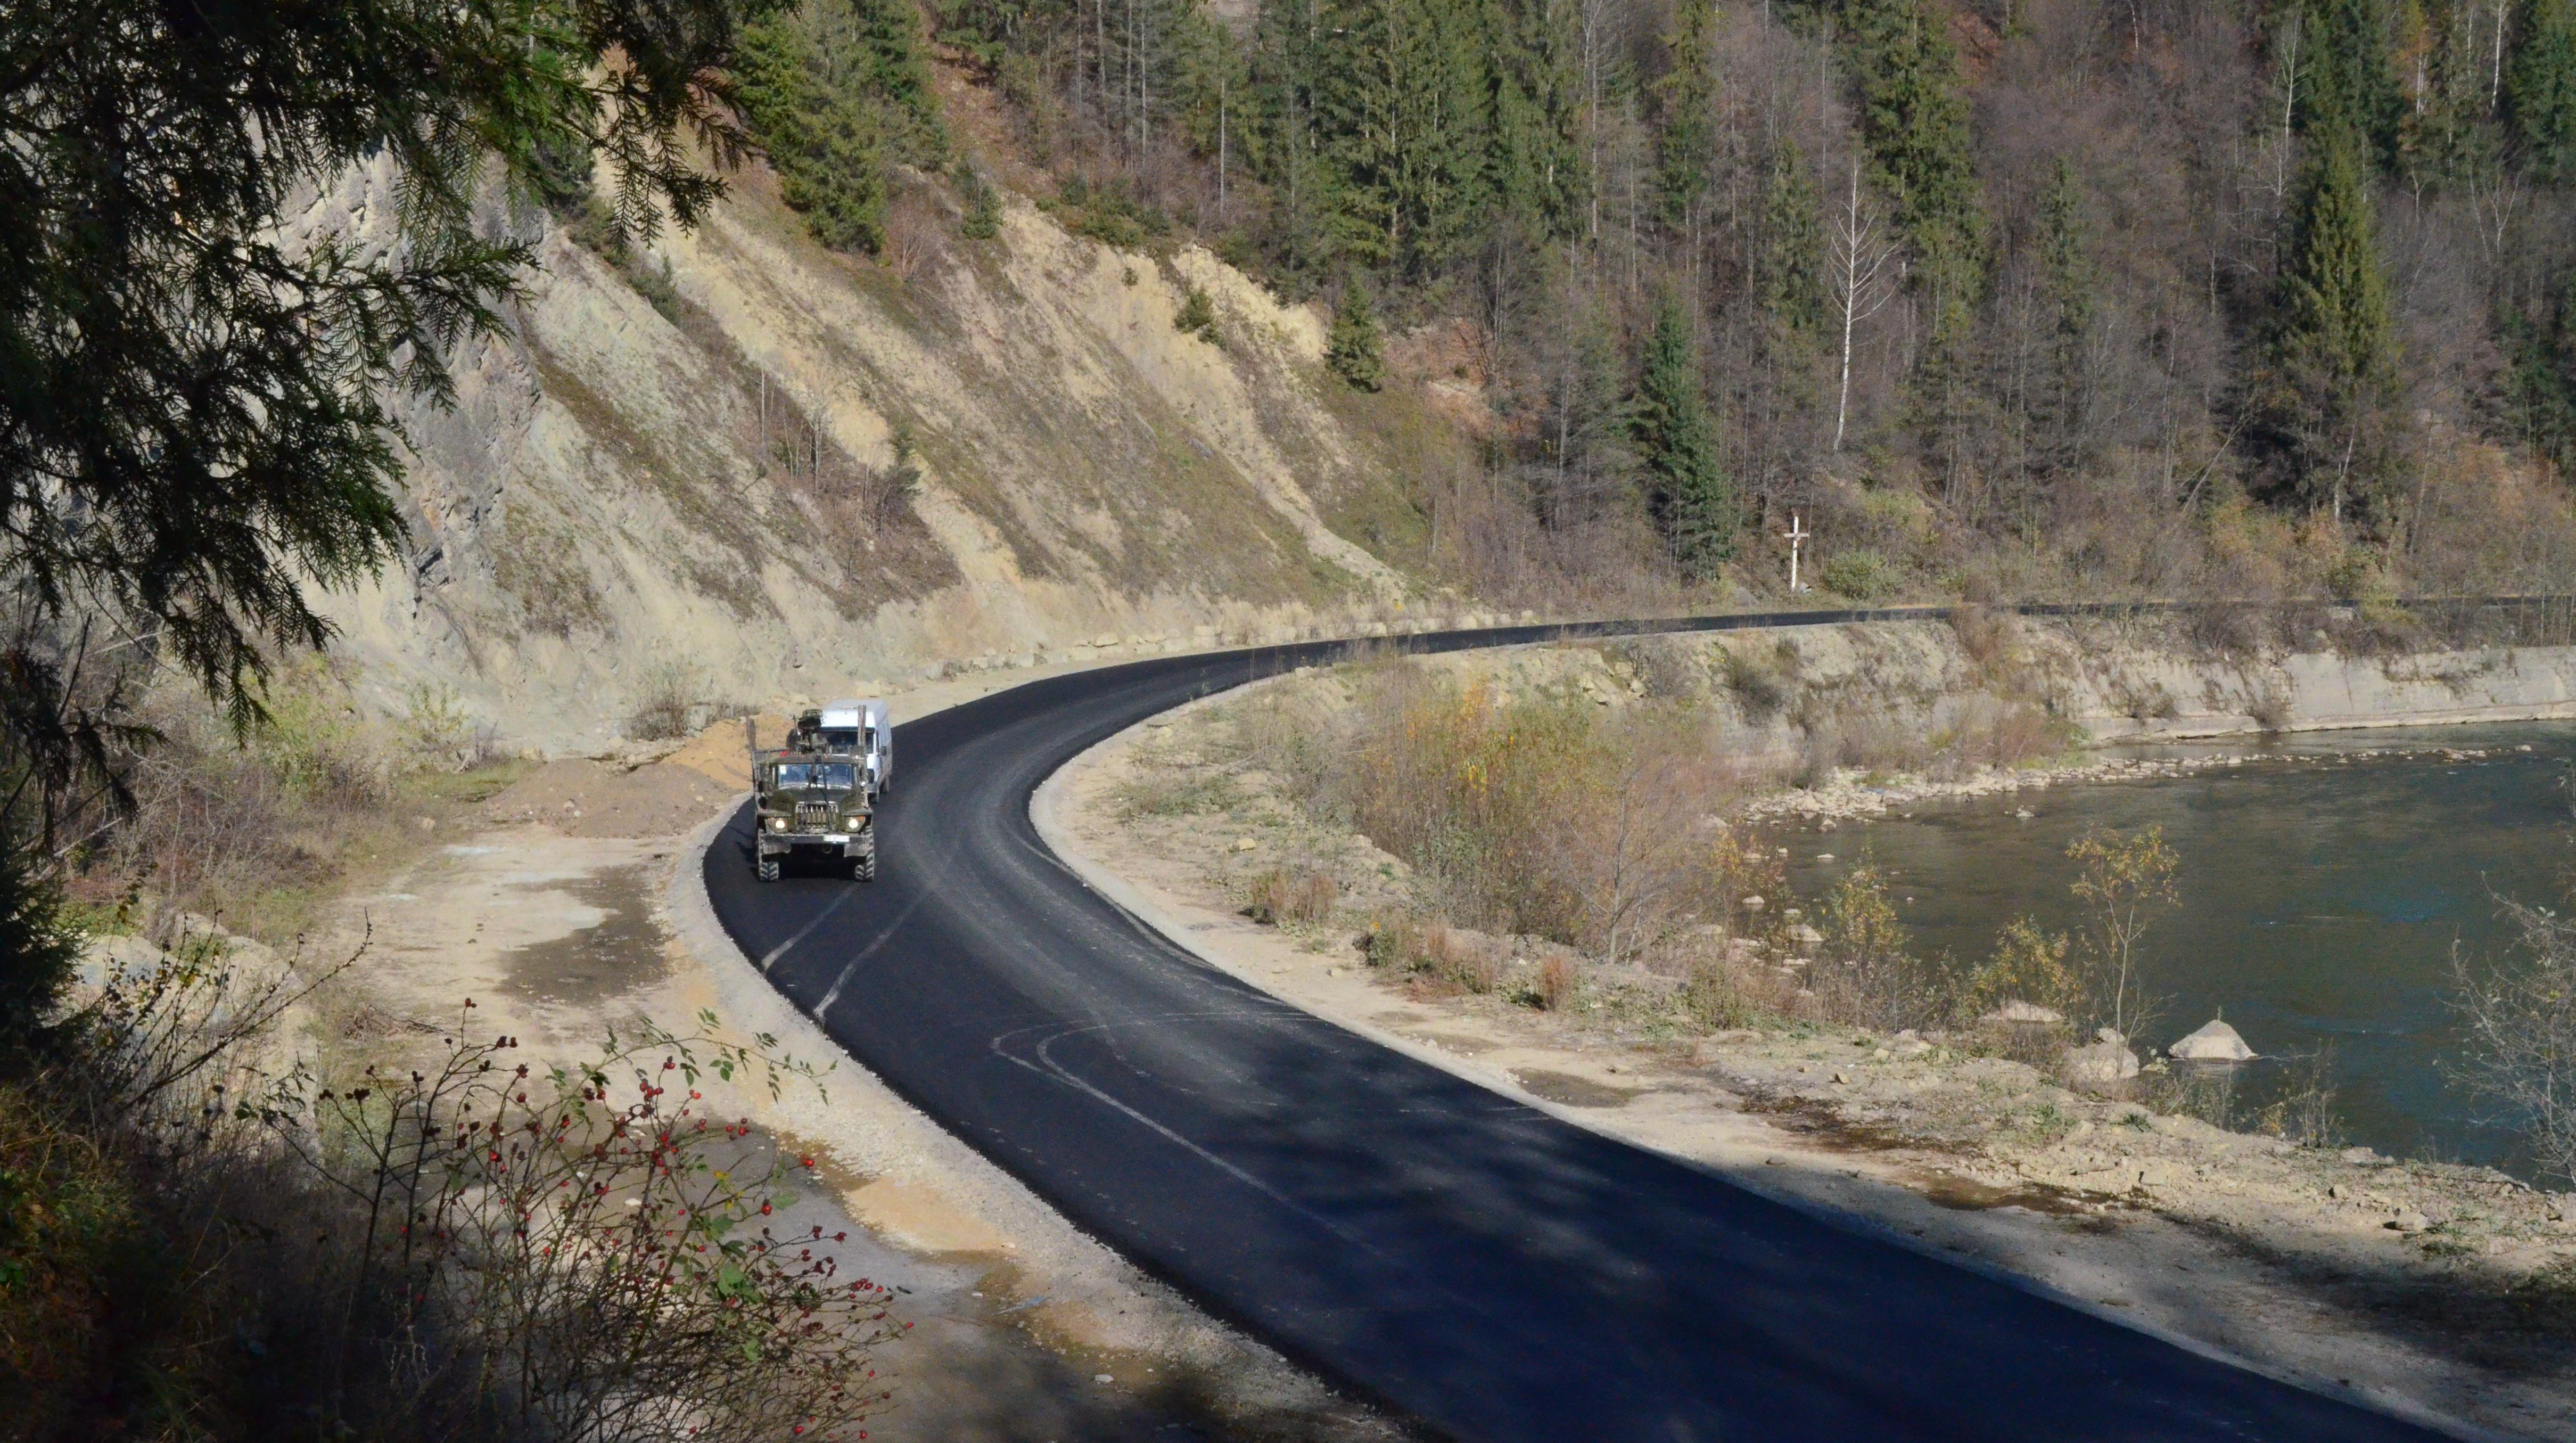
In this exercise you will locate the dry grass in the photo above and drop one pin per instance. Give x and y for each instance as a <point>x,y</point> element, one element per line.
<point>1764,684</point>
<point>2270,709</point>
<point>667,702</point>
<point>1560,982</point>
<point>2002,734</point>
<point>1424,948</point>
<point>263,830</point>
<point>1867,739</point>
<point>1986,638</point>
<point>1866,970</point>
<point>1292,896</point>
<point>1177,792</point>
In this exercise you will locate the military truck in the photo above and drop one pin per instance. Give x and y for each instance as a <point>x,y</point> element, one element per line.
<point>816,796</point>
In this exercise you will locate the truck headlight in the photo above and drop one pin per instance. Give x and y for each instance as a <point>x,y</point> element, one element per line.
<point>852,824</point>
<point>778,824</point>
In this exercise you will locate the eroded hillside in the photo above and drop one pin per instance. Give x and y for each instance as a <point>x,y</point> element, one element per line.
<point>680,475</point>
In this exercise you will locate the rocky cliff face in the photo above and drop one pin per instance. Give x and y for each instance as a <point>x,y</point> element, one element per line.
<point>679,478</point>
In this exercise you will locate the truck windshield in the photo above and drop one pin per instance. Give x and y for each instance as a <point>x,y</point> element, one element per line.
<point>838,775</point>
<point>840,741</point>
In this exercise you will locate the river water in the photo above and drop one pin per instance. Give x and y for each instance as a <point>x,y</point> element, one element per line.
<point>2325,884</point>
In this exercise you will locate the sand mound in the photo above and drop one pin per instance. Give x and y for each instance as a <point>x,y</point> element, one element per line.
<point>719,752</point>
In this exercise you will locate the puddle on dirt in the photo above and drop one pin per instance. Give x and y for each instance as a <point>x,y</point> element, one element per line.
<point>1967,1195</point>
<point>1817,1122</point>
<point>1567,1090</point>
<point>619,954</point>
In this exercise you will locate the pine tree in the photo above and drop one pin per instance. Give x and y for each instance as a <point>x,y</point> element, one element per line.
<point>888,65</point>
<point>2542,383</point>
<point>983,218</point>
<point>1775,402</point>
<point>824,139</point>
<point>1790,265</point>
<point>2335,348</point>
<point>1686,110</point>
<point>2446,137</point>
<point>2350,80</point>
<point>2540,89</point>
<point>1535,170</point>
<point>1352,348</point>
<point>1914,125</point>
<point>201,396</point>
<point>837,90</point>
<point>2068,280</point>
<point>1402,97</point>
<point>1284,140</point>
<point>1914,122</point>
<point>1586,442</point>
<point>1691,496</point>
<point>1212,94</point>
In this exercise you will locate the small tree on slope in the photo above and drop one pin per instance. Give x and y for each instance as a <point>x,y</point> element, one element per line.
<point>1692,496</point>
<point>1353,349</point>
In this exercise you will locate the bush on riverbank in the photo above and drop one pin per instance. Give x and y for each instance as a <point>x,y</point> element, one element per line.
<point>2520,1017</point>
<point>1542,816</point>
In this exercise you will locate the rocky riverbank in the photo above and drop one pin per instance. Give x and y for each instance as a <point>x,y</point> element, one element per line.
<point>1849,793</point>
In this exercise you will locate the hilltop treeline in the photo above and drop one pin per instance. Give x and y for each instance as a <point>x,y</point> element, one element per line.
<point>2134,296</point>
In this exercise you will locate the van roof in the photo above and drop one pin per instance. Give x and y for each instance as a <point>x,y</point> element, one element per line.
<point>853,712</point>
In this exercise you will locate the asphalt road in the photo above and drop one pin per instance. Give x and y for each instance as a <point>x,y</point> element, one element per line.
<point>1462,1259</point>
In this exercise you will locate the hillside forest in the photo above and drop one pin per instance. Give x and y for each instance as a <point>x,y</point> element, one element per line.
<point>2009,297</point>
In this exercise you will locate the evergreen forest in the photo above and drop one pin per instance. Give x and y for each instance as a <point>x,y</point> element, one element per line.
<point>2016,296</point>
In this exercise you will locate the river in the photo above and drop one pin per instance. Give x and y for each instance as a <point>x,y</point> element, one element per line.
<point>2325,884</point>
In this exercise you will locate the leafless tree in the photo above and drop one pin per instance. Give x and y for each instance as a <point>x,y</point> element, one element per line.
<point>2520,1019</point>
<point>1861,250</point>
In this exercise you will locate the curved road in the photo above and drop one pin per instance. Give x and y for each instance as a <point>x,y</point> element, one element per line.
<point>1468,1261</point>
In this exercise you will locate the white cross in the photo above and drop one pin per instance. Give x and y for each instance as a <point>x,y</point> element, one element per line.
<point>1795,534</point>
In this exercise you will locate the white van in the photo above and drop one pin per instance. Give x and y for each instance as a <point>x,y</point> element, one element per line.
<point>856,728</point>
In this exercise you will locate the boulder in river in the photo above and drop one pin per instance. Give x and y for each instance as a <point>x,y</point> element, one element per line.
<point>2214,1042</point>
<point>2020,1011</point>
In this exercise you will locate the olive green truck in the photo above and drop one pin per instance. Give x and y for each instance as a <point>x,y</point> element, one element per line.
<point>817,794</point>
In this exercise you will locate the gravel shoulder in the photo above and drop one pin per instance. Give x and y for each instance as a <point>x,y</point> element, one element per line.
<point>2432,1290</point>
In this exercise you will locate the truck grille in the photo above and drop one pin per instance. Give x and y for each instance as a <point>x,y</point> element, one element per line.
<point>813,816</point>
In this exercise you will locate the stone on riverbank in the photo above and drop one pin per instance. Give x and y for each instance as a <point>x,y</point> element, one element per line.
<point>2101,1063</point>
<point>2214,1042</point>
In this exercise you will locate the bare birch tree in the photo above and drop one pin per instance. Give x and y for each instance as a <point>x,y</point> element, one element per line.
<point>1860,252</point>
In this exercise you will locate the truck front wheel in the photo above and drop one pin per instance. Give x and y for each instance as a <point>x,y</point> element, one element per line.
<point>769,869</point>
<point>865,868</point>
